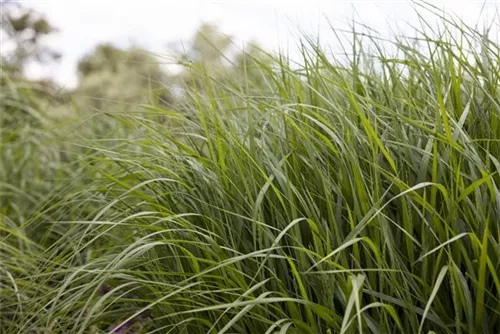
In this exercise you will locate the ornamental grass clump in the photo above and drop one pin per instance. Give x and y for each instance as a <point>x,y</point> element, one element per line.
<point>343,197</point>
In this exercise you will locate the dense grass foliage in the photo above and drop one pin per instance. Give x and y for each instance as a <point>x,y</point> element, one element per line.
<point>329,199</point>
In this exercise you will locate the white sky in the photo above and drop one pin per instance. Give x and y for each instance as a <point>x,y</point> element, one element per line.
<point>154,23</point>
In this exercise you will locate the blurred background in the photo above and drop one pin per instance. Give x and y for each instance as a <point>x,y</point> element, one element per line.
<point>78,29</point>
<point>72,58</point>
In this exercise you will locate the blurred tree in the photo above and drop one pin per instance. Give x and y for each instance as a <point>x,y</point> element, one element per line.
<point>22,32</point>
<point>21,99</point>
<point>208,45</point>
<point>212,52</point>
<point>109,75</point>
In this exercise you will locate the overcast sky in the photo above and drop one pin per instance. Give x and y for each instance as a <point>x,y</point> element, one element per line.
<point>153,23</point>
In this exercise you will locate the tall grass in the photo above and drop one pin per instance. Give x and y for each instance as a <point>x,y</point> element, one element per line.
<point>340,199</point>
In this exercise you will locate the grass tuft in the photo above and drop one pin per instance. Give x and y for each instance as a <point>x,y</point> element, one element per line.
<point>330,197</point>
